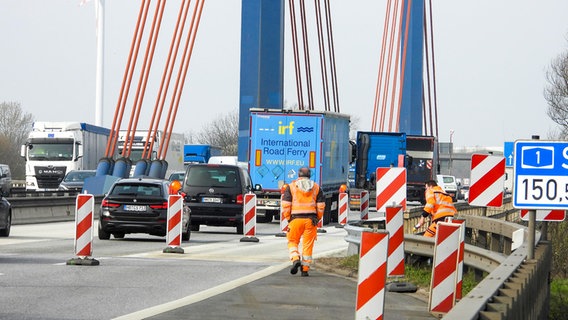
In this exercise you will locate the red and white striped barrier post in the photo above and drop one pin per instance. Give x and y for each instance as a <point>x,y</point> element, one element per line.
<point>174,224</point>
<point>320,226</point>
<point>364,205</point>
<point>343,207</point>
<point>283,222</point>
<point>249,218</point>
<point>84,220</point>
<point>394,226</point>
<point>372,275</point>
<point>444,272</point>
<point>459,281</point>
<point>545,215</point>
<point>391,188</point>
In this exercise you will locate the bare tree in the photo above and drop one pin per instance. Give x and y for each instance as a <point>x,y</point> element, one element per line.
<point>222,132</point>
<point>354,126</point>
<point>556,93</point>
<point>15,125</point>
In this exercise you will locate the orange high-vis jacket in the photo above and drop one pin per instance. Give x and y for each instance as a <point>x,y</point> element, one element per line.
<point>439,204</point>
<point>299,200</point>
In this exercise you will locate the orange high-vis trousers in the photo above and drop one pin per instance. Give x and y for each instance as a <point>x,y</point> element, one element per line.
<point>302,228</point>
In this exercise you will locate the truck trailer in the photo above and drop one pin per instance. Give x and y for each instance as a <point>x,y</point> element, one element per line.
<point>283,141</point>
<point>199,153</point>
<point>54,148</point>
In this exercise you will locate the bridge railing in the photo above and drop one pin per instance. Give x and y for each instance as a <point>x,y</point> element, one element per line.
<point>517,288</point>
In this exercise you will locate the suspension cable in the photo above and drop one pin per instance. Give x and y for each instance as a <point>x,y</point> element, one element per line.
<point>146,66</point>
<point>322,55</point>
<point>306,55</point>
<point>332,56</point>
<point>389,64</point>
<point>381,65</point>
<point>402,72</point>
<point>127,78</point>
<point>166,77</point>
<point>433,69</point>
<point>180,81</point>
<point>297,66</point>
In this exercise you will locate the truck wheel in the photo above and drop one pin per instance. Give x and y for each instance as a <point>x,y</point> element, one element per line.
<point>327,212</point>
<point>6,231</point>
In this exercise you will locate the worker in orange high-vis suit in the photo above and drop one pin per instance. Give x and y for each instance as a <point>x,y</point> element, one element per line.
<point>303,204</point>
<point>439,206</point>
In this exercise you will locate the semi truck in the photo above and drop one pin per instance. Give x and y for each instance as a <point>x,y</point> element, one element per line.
<point>418,154</point>
<point>54,148</point>
<point>199,153</point>
<point>174,153</point>
<point>283,141</point>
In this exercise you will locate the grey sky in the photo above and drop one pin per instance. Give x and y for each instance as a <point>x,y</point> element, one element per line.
<point>491,58</point>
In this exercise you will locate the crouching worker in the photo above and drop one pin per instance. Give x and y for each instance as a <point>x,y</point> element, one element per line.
<point>439,206</point>
<point>303,204</point>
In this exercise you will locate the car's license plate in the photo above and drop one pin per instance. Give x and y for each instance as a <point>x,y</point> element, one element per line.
<point>131,207</point>
<point>211,200</point>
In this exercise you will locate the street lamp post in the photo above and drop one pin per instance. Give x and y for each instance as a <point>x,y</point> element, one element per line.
<point>451,148</point>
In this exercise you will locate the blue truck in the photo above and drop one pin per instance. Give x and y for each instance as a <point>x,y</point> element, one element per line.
<point>199,153</point>
<point>418,154</point>
<point>376,150</point>
<point>281,142</point>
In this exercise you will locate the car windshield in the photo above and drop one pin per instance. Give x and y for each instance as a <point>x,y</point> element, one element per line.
<point>177,176</point>
<point>448,179</point>
<point>212,176</point>
<point>79,176</point>
<point>137,190</point>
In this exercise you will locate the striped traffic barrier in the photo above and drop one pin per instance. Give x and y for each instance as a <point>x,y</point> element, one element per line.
<point>444,272</point>
<point>390,187</point>
<point>283,222</point>
<point>84,220</point>
<point>364,205</point>
<point>459,280</point>
<point>544,215</point>
<point>249,218</point>
<point>174,224</point>
<point>372,275</point>
<point>320,226</point>
<point>394,226</point>
<point>343,208</point>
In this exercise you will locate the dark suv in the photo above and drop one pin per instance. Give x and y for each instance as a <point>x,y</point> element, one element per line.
<point>215,194</point>
<point>138,205</point>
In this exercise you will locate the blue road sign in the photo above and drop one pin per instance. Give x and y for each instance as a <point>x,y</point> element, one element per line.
<point>541,174</point>
<point>508,153</point>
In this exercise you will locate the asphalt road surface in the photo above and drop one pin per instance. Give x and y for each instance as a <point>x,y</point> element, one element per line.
<point>136,280</point>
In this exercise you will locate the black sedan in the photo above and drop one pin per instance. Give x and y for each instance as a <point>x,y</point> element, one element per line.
<point>5,217</point>
<point>138,205</point>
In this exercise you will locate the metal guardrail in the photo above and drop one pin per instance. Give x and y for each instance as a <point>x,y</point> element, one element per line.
<point>515,287</point>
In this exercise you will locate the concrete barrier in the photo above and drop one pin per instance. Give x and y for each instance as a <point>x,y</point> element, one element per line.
<point>41,210</point>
